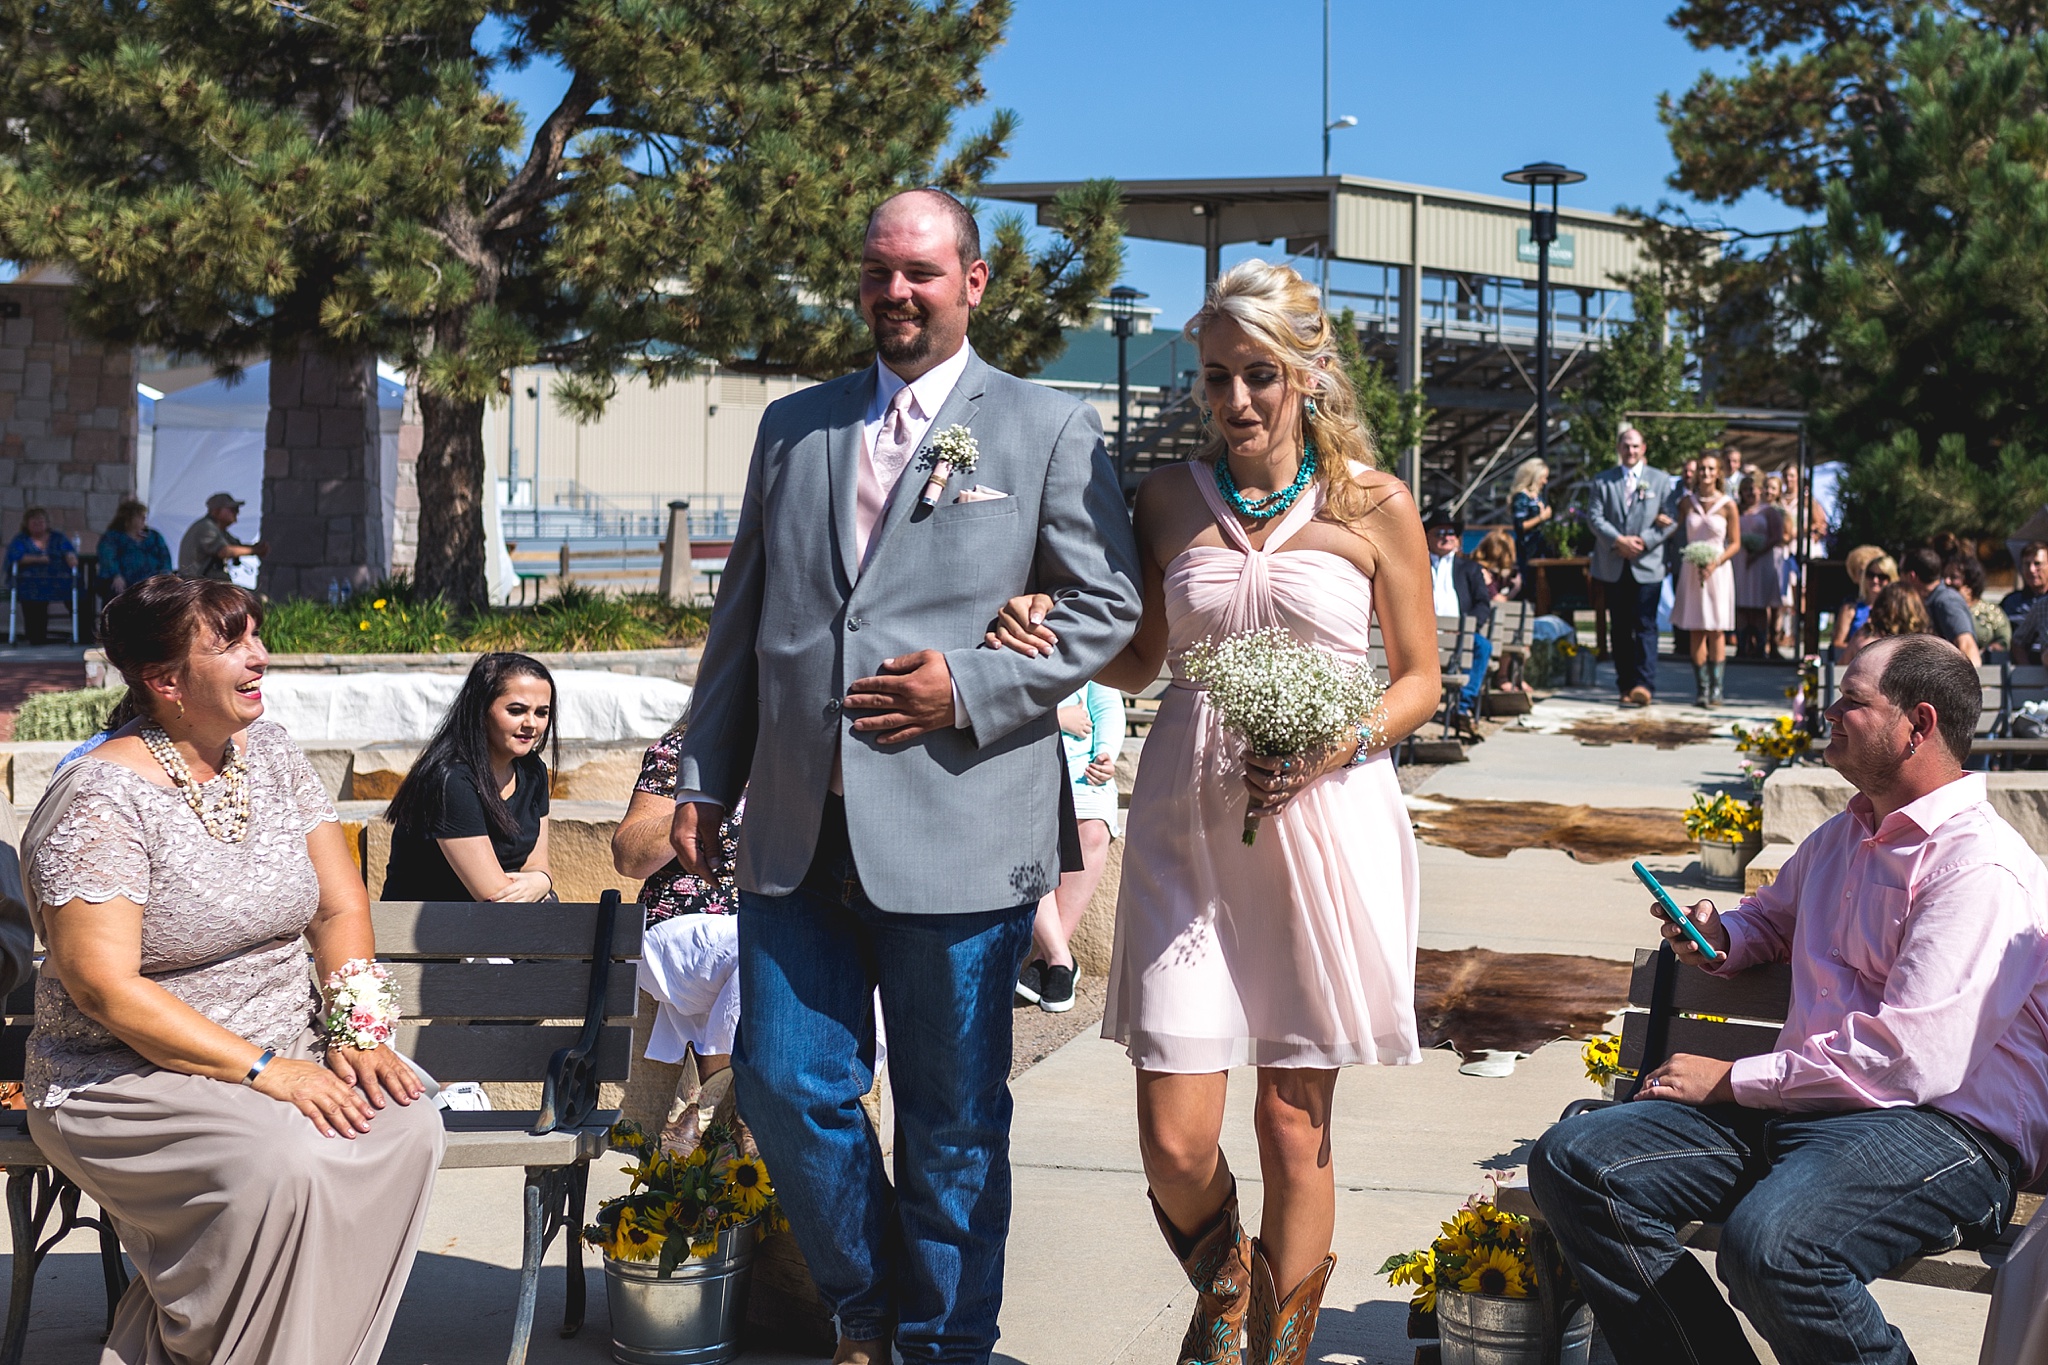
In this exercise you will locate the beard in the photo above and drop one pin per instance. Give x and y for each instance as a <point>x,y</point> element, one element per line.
<point>903,345</point>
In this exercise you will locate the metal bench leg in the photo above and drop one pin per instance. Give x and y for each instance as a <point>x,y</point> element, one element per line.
<point>577,1181</point>
<point>529,1268</point>
<point>111,1268</point>
<point>23,1225</point>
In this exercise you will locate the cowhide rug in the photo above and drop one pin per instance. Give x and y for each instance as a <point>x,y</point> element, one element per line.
<point>1475,1000</point>
<point>1665,734</point>
<point>1493,829</point>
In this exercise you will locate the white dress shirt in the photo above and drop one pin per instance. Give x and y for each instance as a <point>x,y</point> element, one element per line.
<point>1443,583</point>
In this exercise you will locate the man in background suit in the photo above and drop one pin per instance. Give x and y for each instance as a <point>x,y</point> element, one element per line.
<point>904,785</point>
<point>1630,512</point>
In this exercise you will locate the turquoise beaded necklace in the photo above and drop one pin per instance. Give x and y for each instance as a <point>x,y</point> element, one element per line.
<point>1273,504</point>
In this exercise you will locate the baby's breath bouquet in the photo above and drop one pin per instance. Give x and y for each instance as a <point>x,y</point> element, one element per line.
<point>1282,697</point>
<point>1701,554</point>
<point>678,1205</point>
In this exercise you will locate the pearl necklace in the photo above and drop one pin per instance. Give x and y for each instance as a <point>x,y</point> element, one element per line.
<point>226,820</point>
<point>1273,504</point>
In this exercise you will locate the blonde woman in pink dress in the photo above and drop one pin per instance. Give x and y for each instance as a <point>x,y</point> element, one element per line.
<point>1705,594</point>
<point>1296,954</point>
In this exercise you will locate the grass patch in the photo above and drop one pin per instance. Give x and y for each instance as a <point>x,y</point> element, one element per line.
<point>67,715</point>
<point>392,619</point>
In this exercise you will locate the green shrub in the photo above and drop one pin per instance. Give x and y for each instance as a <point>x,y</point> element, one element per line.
<point>67,715</point>
<point>393,619</point>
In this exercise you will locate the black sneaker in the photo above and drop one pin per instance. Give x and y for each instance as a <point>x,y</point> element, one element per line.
<point>1056,989</point>
<point>1031,982</point>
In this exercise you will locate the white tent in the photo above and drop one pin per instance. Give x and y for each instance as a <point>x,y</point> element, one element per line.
<point>209,439</point>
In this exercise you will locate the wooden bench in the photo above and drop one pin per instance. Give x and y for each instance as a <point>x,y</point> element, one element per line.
<point>1676,1008</point>
<point>466,1019</point>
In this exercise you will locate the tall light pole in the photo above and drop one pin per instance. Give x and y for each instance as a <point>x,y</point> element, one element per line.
<point>1542,232</point>
<point>1330,125</point>
<point>1123,319</point>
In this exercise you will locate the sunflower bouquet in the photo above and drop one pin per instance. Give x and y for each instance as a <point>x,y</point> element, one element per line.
<point>1480,1251</point>
<point>1602,1056</point>
<point>1722,818</point>
<point>679,1204</point>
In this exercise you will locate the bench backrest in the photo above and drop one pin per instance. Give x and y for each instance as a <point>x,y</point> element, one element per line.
<point>2024,683</point>
<point>563,991</point>
<point>1991,679</point>
<point>1676,1008</point>
<point>1454,646</point>
<point>1512,622</point>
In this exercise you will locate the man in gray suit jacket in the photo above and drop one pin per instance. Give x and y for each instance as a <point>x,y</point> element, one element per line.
<point>1630,510</point>
<point>904,785</point>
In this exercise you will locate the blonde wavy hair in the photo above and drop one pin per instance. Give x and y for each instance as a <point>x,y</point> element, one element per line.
<point>1529,476</point>
<point>1281,310</point>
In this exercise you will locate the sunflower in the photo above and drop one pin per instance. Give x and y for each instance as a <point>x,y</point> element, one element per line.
<point>1494,1271</point>
<point>634,1242</point>
<point>705,1247</point>
<point>747,1179</point>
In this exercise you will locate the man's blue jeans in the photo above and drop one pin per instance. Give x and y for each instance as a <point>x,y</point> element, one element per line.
<point>1814,1207</point>
<point>1482,660</point>
<point>923,1258</point>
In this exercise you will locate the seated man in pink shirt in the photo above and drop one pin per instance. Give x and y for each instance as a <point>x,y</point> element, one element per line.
<point>1909,1092</point>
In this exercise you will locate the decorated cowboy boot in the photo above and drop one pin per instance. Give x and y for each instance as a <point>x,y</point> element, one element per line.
<point>1278,1331</point>
<point>1215,1262</point>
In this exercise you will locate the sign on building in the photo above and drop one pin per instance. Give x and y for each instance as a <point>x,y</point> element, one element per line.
<point>1562,251</point>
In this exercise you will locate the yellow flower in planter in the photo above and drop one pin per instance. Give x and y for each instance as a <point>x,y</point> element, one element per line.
<point>748,1178</point>
<point>1419,1269</point>
<point>1494,1271</point>
<point>377,605</point>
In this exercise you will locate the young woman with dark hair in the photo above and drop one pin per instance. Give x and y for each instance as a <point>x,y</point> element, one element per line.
<point>470,821</point>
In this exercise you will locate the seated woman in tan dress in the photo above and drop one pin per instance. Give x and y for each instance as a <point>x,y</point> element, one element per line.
<point>270,1188</point>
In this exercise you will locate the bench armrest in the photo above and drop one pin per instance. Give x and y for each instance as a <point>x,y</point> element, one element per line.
<point>568,1096</point>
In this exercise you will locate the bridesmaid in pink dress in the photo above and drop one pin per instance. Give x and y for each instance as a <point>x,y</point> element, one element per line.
<point>1297,954</point>
<point>1705,597</point>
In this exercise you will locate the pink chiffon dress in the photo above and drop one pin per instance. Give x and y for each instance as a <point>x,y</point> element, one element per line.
<point>1709,605</point>
<point>1299,950</point>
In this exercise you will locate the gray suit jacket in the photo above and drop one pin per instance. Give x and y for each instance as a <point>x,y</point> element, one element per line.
<point>958,820</point>
<point>1612,516</point>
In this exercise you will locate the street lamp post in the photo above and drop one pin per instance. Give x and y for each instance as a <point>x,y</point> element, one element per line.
<point>1123,318</point>
<point>1542,232</point>
<point>1330,125</point>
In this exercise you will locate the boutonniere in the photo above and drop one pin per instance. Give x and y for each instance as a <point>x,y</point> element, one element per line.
<point>951,452</point>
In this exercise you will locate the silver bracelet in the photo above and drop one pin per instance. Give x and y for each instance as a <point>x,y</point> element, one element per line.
<point>269,1056</point>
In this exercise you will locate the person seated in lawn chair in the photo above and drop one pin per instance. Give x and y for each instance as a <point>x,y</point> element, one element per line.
<point>1908,1095</point>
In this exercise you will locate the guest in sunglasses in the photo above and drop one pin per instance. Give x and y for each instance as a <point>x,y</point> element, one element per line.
<point>1873,571</point>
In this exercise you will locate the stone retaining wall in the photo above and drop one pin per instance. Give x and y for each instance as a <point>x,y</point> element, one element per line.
<point>1798,800</point>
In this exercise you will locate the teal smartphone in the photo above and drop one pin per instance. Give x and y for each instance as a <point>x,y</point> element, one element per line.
<point>1676,915</point>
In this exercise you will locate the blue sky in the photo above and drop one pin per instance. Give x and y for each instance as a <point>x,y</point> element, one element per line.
<point>1447,92</point>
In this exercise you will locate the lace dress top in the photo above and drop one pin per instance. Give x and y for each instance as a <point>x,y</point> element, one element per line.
<point>221,922</point>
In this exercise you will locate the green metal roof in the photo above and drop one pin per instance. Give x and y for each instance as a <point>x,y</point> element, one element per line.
<point>1090,358</point>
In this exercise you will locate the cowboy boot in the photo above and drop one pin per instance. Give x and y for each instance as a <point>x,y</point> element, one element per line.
<point>1717,675</point>
<point>1279,1331</point>
<point>1215,1262</point>
<point>1699,685</point>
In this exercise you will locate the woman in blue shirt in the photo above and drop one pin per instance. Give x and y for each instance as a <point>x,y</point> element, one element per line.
<point>1092,728</point>
<point>1529,511</point>
<point>41,561</point>
<point>131,550</point>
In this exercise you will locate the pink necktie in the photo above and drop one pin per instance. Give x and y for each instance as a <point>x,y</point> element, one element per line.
<point>882,470</point>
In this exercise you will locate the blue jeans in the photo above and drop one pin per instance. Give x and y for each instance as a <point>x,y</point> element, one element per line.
<point>922,1258</point>
<point>1482,659</point>
<point>1814,1207</point>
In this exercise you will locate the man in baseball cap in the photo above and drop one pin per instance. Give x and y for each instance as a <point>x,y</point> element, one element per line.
<point>207,549</point>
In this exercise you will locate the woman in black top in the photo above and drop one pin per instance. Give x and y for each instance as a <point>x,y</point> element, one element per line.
<point>470,821</point>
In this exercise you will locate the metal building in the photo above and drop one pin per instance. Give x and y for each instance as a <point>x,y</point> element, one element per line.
<point>1441,283</point>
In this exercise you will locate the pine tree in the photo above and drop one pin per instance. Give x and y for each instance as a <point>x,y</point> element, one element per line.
<point>230,178</point>
<point>1395,419</point>
<point>1930,280</point>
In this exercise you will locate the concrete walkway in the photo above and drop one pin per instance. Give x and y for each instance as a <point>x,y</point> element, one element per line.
<point>1089,1282</point>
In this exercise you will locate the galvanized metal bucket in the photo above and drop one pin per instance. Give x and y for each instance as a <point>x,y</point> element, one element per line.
<point>691,1318</point>
<point>1489,1329</point>
<point>1722,862</point>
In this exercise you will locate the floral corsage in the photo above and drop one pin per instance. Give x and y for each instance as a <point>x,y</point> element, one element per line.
<point>362,1005</point>
<point>951,452</point>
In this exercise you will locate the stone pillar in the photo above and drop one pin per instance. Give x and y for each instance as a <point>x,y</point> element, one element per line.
<point>323,512</point>
<point>67,417</point>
